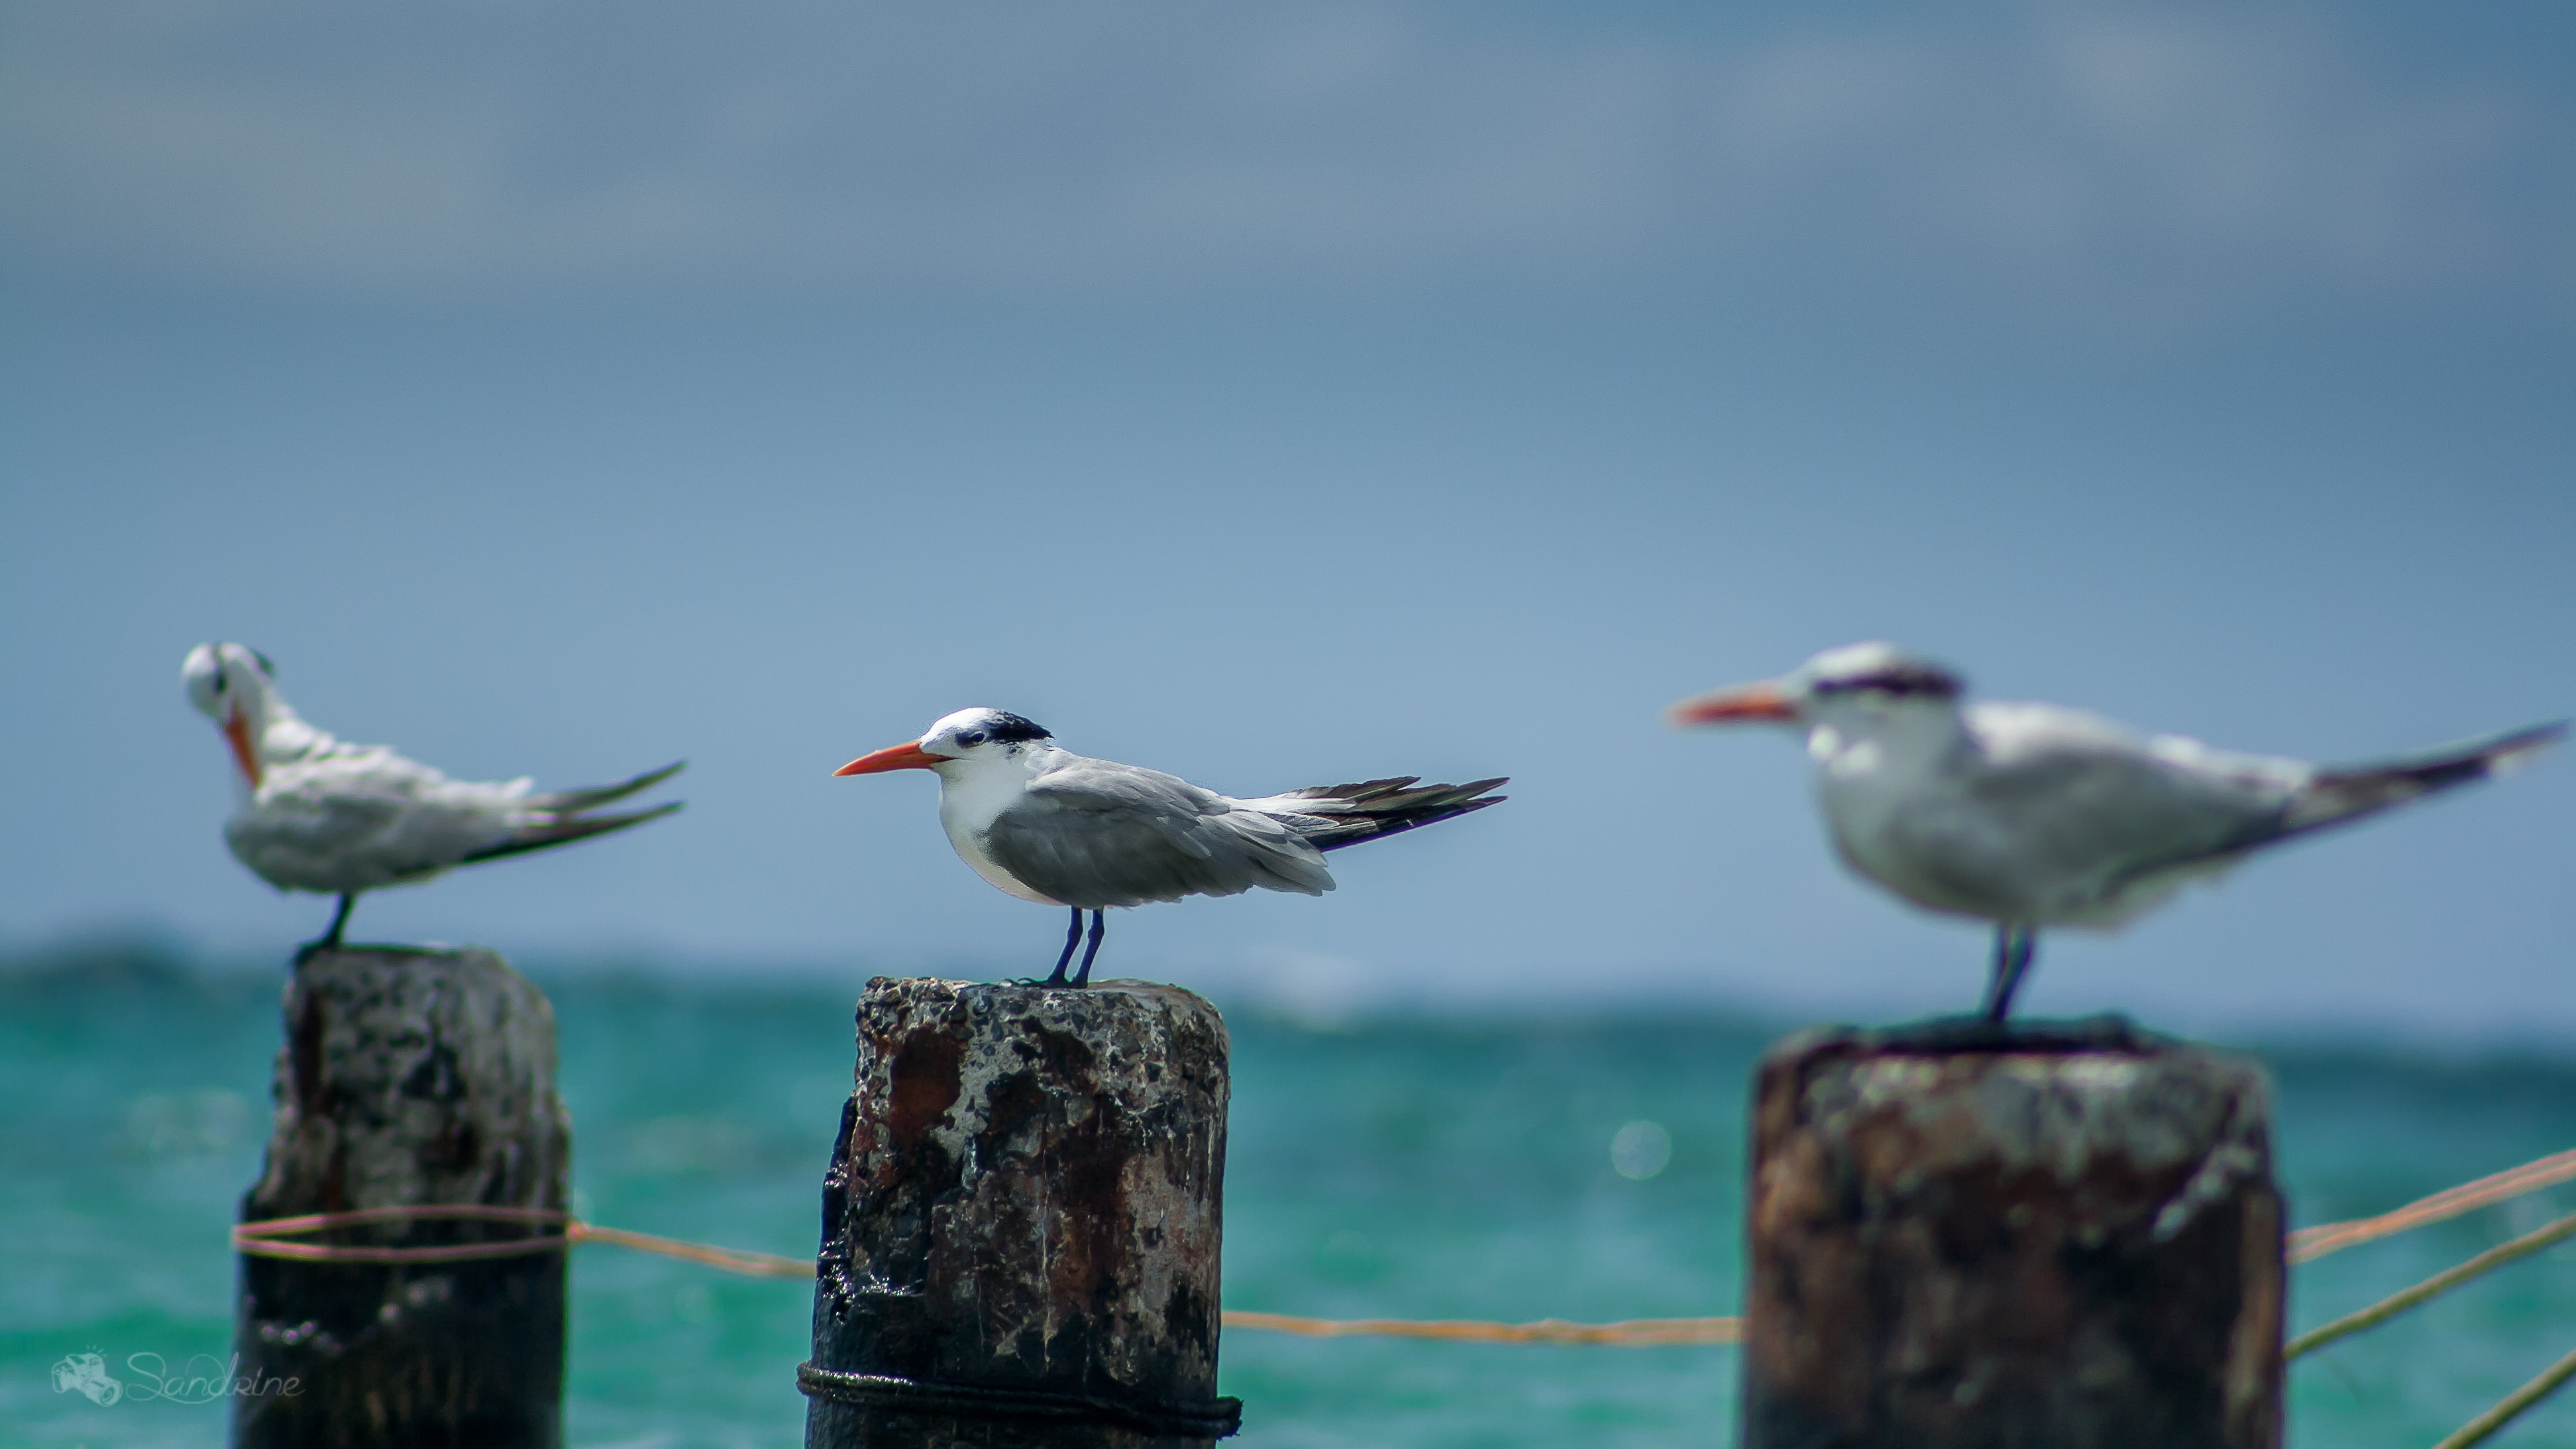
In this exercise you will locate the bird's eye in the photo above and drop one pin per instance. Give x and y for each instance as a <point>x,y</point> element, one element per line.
<point>971,738</point>
<point>219,681</point>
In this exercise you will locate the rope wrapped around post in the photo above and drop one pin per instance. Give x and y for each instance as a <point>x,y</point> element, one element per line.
<point>274,1239</point>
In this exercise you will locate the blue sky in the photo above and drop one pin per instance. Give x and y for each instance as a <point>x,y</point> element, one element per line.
<point>1287,395</point>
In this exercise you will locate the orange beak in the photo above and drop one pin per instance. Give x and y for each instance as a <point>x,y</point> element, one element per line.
<point>906,756</point>
<point>1745,703</point>
<point>245,754</point>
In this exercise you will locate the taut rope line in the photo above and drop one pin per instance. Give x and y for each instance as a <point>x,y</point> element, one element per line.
<point>272,1238</point>
<point>2440,1283</point>
<point>2311,1243</point>
<point>276,1238</point>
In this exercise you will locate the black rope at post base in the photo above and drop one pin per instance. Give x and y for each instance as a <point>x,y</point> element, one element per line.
<point>1214,1419</point>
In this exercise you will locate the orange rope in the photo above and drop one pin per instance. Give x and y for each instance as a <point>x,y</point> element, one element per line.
<point>266,1240</point>
<point>2310,1244</point>
<point>756,1265</point>
<point>272,1239</point>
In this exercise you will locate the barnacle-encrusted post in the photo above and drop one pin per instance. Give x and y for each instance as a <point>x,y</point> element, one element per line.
<point>1021,1222</point>
<point>1964,1235</point>
<point>409,1077</point>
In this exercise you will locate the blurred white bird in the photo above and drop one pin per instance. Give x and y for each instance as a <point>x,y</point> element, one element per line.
<point>1054,827</point>
<point>2029,815</point>
<point>315,814</point>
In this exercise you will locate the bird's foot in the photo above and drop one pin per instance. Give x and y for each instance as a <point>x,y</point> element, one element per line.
<point>1982,1033</point>
<point>329,940</point>
<point>1041,981</point>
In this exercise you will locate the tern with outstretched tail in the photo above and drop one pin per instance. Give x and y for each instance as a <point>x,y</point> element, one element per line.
<point>318,814</point>
<point>1060,829</point>
<point>2030,815</point>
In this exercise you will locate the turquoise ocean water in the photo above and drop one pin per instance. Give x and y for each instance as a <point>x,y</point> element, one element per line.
<point>1410,1168</point>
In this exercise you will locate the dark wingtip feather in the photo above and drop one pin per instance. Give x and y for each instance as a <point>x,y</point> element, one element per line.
<point>2356,792</point>
<point>566,831</point>
<point>1395,811</point>
<point>2539,736</point>
<point>1357,791</point>
<point>591,797</point>
<point>2458,763</point>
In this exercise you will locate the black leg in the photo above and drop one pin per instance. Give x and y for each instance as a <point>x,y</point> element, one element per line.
<point>2014,947</point>
<point>1099,927</point>
<point>330,939</point>
<point>1072,938</point>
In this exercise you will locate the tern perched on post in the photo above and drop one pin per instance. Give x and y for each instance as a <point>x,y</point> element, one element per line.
<point>1060,829</point>
<point>2030,815</point>
<point>317,814</point>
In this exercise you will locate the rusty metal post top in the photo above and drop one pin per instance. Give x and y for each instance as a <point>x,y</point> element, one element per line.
<point>2110,1032</point>
<point>394,948</point>
<point>1963,1234</point>
<point>992,995</point>
<point>1022,1220</point>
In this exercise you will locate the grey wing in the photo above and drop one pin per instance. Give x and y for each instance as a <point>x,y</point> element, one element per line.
<point>306,842</point>
<point>2099,831</point>
<point>2304,799</point>
<point>359,823</point>
<point>2122,812</point>
<point>1094,834</point>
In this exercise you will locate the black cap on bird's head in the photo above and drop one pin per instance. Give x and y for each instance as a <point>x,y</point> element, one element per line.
<point>954,737</point>
<point>972,727</point>
<point>1882,668</point>
<point>1877,672</point>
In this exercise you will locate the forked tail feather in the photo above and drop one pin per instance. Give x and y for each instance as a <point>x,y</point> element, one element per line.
<point>1369,809</point>
<point>591,797</point>
<point>566,830</point>
<point>2344,793</point>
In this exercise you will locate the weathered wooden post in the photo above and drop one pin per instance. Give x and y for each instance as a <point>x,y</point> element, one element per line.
<point>2011,1238</point>
<point>409,1077</point>
<point>1021,1223</point>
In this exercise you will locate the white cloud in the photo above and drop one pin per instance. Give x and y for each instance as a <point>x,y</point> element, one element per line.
<point>2062,145</point>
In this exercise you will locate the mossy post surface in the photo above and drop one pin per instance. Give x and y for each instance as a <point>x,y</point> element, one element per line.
<point>1021,1222</point>
<point>1970,1238</point>
<point>409,1077</point>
